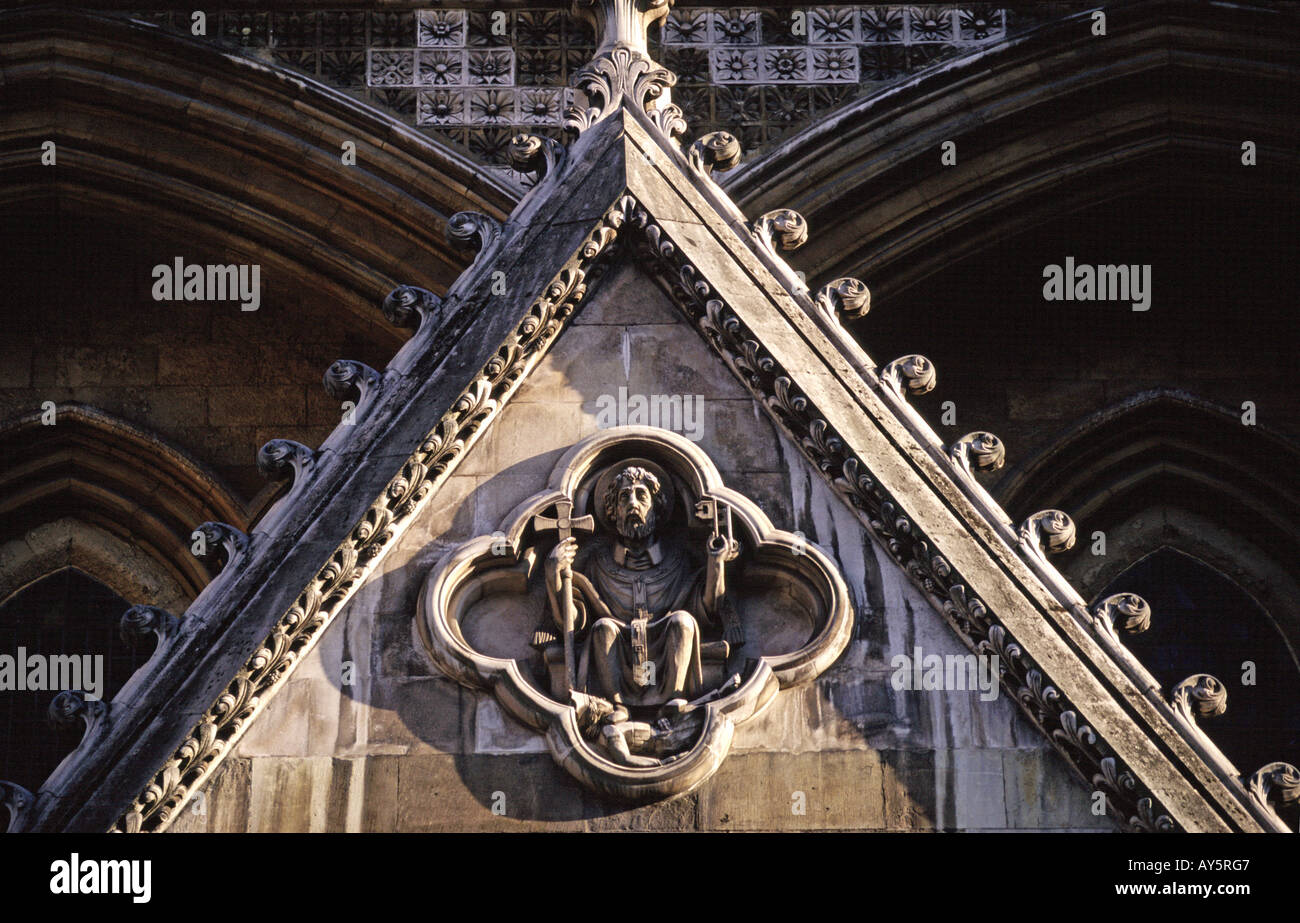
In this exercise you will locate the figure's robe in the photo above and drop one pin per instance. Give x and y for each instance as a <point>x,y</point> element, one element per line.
<point>650,596</point>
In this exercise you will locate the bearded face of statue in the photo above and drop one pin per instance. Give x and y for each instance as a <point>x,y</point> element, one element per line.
<point>634,508</point>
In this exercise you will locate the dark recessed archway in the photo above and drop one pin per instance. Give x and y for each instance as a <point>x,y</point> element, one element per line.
<point>66,614</point>
<point>1202,622</point>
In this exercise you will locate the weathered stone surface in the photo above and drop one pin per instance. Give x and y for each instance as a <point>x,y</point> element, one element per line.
<point>841,790</point>
<point>224,805</point>
<point>450,794</point>
<point>971,788</point>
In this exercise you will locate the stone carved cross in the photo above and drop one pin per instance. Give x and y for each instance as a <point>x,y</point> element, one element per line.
<point>564,524</point>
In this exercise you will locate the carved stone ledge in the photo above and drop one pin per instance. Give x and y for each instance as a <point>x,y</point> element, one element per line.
<point>910,375</point>
<point>297,630</point>
<point>18,801</point>
<point>1044,704</point>
<point>851,476</point>
<point>718,150</point>
<point>1126,612</point>
<point>410,306</point>
<point>978,451</point>
<point>1199,696</point>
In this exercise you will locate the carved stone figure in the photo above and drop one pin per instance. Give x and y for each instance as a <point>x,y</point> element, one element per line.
<point>642,603</point>
<point>635,612</point>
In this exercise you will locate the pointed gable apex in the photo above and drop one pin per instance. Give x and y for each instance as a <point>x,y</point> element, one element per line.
<point>624,185</point>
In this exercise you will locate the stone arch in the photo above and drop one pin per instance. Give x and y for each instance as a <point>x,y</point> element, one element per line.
<point>1165,468</point>
<point>69,620</point>
<point>1047,123</point>
<point>241,155</point>
<point>105,496</point>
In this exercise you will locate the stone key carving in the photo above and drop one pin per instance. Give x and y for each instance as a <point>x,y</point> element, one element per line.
<point>635,612</point>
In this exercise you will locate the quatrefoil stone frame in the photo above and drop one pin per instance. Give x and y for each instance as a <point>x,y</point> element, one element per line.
<point>458,580</point>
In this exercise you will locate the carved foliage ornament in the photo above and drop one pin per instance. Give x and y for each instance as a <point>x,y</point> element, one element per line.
<point>623,73</point>
<point>677,613</point>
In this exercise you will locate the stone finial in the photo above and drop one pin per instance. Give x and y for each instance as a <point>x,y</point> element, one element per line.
<point>1274,783</point>
<point>1048,531</point>
<point>71,706</point>
<point>19,802</point>
<point>408,305</point>
<point>349,380</point>
<point>718,150</point>
<point>622,71</point>
<point>282,458</point>
<point>784,228</point>
<point>141,621</point>
<point>621,23</point>
<point>978,451</point>
<point>847,297</point>
<point>220,542</point>
<point>472,231</point>
<point>1125,612</point>
<point>915,373</point>
<point>1200,695</point>
<point>536,154</point>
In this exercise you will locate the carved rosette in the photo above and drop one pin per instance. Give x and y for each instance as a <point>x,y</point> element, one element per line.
<point>450,611</point>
